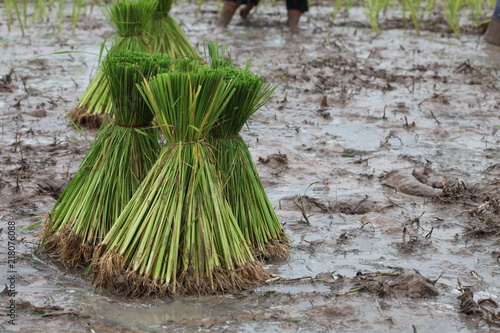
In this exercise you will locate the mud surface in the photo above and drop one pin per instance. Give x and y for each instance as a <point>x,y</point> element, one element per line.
<point>380,153</point>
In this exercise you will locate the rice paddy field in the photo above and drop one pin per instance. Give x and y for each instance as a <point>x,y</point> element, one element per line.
<point>379,151</point>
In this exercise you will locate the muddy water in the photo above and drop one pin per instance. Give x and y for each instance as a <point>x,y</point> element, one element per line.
<point>355,116</point>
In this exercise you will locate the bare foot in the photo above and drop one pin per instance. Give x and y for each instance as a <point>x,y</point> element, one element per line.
<point>245,11</point>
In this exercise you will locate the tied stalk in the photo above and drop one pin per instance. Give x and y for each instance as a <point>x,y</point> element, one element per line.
<point>178,234</point>
<point>167,36</point>
<point>243,189</point>
<point>130,19</point>
<point>113,169</point>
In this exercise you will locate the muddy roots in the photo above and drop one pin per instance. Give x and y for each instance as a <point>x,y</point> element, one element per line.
<point>81,117</point>
<point>109,276</point>
<point>406,284</point>
<point>68,246</point>
<point>484,220</point>
<point>276,249</point>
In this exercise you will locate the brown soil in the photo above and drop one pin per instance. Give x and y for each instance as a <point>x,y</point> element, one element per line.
<point>380,153</point>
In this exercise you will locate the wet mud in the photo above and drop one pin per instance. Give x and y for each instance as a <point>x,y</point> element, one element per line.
<point>381,154</point>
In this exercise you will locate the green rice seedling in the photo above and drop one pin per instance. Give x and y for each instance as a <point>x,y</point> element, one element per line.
<point>429,6</point>
<point>8,13</point>
<point>349,4</point>
<point>41,8</point>
<point>119,159</point>
<point>476,11</point>
<point>243,189</point>
<point>166,35</point>
<point>11,5</point>
<point>414,6</point>
<point>25,12</point>
<point>76,10</point>
<point>404,9</point>
<point>452,14</point>
<point>372,10</point>
<point>337,6</point>
<point>199,3</point>
<point>60,13</point>
<point>39,11</point>
<point>130,19</point>
<point>178,234</point>
<point>84,7</point>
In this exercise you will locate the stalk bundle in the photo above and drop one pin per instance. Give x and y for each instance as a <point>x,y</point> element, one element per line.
<point>130,19</point>
<point>178,233</point>
<point>242,186</point>
<point>167,36</point>
<point>121,156</point>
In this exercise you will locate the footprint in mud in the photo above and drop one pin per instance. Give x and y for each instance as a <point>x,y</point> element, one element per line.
<point>37,113</point>
<point>417,182</point>
<point>414,285</point>
<point>7,82</point>
<point>349,206</point>
<point>485,308</point>
<point>52,186</point>
<point>278,160</point>
<point>407,284</point>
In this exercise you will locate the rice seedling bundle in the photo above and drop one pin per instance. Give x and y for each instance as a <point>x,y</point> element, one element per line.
<point>119,159</point>
<point>130,19</point>
<point>178,233</point>
<point>242,186</point>
<point>166,35</point>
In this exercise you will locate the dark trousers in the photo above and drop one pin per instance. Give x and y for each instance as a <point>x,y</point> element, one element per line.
<point>301,5</point>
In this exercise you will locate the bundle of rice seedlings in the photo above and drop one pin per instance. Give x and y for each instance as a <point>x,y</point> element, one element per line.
<point>166,35</point>
<point>178,233</point>
<point>130,19</point>
<point>242,186</point>
<point>119,159</point>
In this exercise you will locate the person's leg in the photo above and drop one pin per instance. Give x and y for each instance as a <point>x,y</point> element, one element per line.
<point>295,8</point>
<point>228,9</point>
<point>245,11</point>
<point>493,33</point>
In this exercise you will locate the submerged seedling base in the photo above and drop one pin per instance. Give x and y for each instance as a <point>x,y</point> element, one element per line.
<point>81,117</point>
<point>72,251</point>
<point>275,249</point>
<point>109,276</point>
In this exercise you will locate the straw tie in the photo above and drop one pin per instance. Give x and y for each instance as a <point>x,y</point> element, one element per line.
<point>184,143</point>
<point>131,126</point>
<point>225,137</point>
